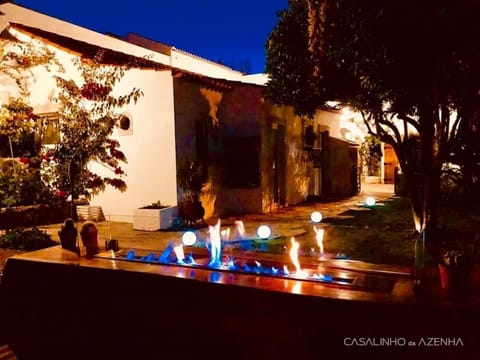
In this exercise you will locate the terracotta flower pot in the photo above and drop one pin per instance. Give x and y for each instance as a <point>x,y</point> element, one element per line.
<point>453,277</point>
<point>445,276</point>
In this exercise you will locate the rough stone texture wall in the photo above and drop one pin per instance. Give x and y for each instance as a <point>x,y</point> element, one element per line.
<point>340,168</point>
<point>241,116</point>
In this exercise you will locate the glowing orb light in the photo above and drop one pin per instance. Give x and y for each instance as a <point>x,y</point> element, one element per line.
<point>316,217</point>
<point>189,238</point>
<point>264,232</point>
<point>370,201</point>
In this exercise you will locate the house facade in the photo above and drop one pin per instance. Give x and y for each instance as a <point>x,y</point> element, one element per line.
<point>258,156</point>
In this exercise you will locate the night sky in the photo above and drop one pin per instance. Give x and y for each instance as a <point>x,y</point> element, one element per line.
<point>230,31</point>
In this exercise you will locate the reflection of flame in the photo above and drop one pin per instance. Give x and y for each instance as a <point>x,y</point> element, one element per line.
<point>215,245</point>
<point>417,223</point>
<point>240,229</point>
<point>225,234</point>
<point>179,253</point>
<point>297,288</point>
<point>319,236</point>
<point>294,257</point>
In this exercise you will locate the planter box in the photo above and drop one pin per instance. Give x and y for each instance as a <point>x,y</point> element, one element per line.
<point>372,179</point>
<point>154,219</point>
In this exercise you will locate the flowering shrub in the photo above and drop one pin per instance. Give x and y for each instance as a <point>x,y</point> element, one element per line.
<point>92,90</point>
<point>92,122</point>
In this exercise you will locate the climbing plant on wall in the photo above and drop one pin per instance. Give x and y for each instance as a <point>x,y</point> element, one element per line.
<point>20,181</point>
<point>371,155</point>
<point>89,110</point>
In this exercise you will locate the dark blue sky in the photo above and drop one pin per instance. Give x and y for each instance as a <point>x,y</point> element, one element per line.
<point>233,31</point>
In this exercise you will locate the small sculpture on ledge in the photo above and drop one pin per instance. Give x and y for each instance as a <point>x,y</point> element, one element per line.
<point>68,235</point>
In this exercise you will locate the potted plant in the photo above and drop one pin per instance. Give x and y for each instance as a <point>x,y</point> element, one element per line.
<point>154,217</point>
<point>191,178</point>
<point>455,266</point>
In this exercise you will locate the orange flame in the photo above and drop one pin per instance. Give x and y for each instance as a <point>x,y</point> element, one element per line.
<point>319,233</point>
<point>294,257</point>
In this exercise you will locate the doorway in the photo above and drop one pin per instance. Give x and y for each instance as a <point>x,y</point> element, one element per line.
<point>278,166</point>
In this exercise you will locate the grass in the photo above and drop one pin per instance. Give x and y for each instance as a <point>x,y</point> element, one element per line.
<point>384,234</point>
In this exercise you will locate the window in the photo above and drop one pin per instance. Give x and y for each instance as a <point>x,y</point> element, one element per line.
<point>49,128</point>
<point>309,138</point>
<point>241,162</point>
<point>125,124</point>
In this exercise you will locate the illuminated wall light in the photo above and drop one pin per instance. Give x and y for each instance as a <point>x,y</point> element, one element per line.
<point>189,238</point>
<point>370,201</point>
<point>316,217</point>
<point>264,232</point>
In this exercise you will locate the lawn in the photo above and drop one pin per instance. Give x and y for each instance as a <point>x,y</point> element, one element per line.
<point>383,235</point>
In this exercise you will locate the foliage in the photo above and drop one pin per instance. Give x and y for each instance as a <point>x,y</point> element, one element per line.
<point>371,153</point>
<point>16,119</point>
<point>407,67</point>
<point>26,239</point>
<point>18,58</point>
<point>20,181</point>
<point>89,111</point>
<point>20,184</point>
<point>289,62</point>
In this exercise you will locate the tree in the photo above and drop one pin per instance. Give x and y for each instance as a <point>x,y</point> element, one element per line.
<point>410,68</point>
<point>88,113</point>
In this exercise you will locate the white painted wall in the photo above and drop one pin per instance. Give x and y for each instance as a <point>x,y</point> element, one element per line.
<point>150,150</point>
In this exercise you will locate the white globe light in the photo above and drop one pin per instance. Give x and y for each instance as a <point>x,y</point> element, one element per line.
<point>370,201</point>
<point>316,217</point>
<point>189,238</point>
<point>264,232</point>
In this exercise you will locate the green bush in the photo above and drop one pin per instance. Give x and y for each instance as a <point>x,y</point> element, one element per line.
<point>26,239</point>
<point>371,155</point>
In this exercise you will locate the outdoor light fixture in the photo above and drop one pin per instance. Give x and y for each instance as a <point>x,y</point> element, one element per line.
<point>316,217</point>
<point>189,238</point>
<point>264,232</point>
<point>370,201</point>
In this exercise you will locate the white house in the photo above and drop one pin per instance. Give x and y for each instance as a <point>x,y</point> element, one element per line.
<point>149,144</point>
<point>182,91</point>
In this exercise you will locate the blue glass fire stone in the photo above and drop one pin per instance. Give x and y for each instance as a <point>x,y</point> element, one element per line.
<point>150,257</point>
<point>327,278</point>
<point>163,258</point>
<point>130,255</point>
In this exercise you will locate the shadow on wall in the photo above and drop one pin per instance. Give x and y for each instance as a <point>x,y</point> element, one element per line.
<point>297,180</point>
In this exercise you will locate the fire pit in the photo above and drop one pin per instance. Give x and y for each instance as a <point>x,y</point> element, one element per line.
<point>197,299</point>
<point>225,256</point>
